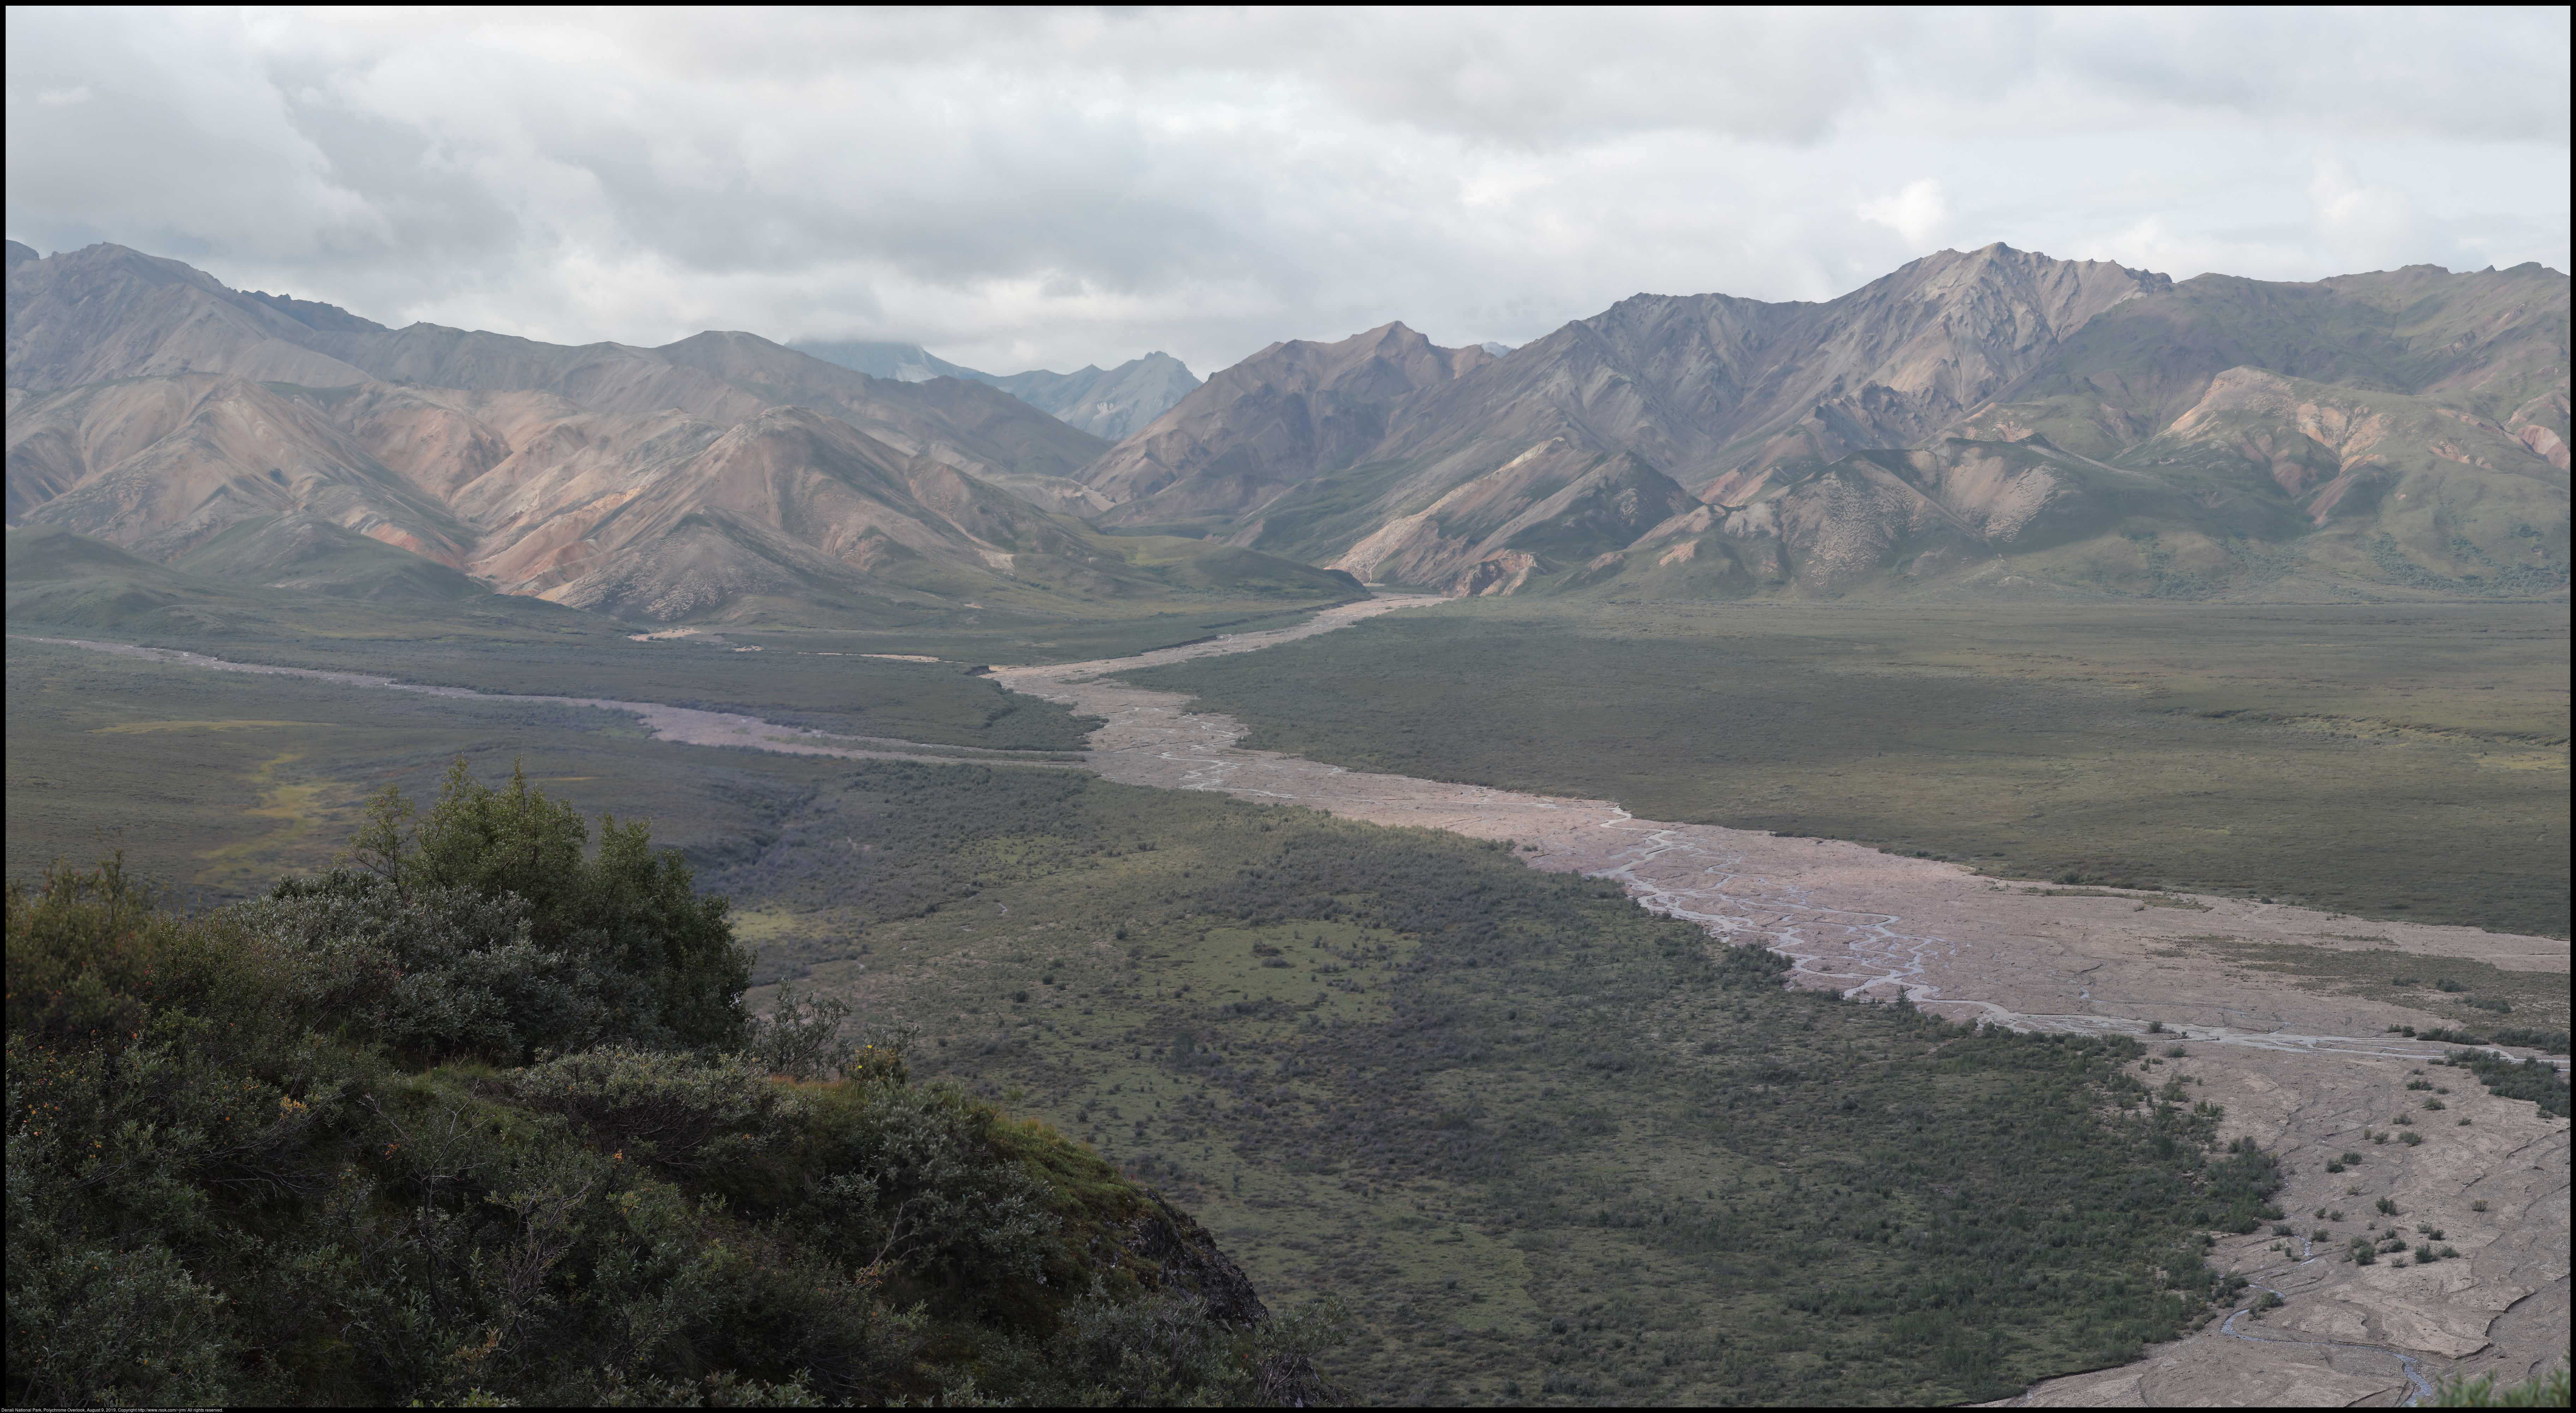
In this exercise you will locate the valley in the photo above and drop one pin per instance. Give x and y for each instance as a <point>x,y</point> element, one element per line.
<point>1328,1085</point>
<point>2001,837</point>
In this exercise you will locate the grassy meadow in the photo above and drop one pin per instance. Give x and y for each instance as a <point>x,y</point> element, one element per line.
<point>2382,760</point>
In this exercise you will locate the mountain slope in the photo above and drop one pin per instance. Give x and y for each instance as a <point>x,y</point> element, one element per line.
<point>1699,385</point>
<point>789,515</point>
<point>2492,344</point>
<point>1776,417</point>
<point>721,477</point>
<point>159,465</point>
<point>109,312</point>
<point>1106,402</point>
<point>1268,423</point>
<point>106,312</point>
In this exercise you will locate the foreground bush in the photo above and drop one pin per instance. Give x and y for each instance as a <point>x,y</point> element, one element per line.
<point>287,1153</point>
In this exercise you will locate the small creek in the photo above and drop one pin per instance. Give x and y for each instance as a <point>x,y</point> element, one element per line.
<point>2308,1249</point>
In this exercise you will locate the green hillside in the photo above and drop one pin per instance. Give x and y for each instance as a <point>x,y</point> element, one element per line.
<point>485,1122</point>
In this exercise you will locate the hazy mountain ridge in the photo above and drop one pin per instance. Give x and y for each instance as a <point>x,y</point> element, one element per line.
<point>2438,401</point>
<point>722,475</point>
<point>903,362</point>
<point>1106,402</point>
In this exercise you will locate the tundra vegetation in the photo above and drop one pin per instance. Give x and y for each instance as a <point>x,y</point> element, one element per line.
<point>1545,1146</point>
<point>1551,1147</point>
<point>2382,760</point>
<point>480,1118</point>
<point>222,781</point>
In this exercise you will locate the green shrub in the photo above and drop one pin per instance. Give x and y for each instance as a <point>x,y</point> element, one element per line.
<point>680,1112</point>
<point>1167,1352</point>
<point>2547,1390</point>
<point>123,1327</point>
<point>467,977</point>
<point>914,1180</point>
<point>2534,1080</point>
<point>802,1037</point>
<point>665,958</point>
<point>221,1190</point>
<point>92,957</point>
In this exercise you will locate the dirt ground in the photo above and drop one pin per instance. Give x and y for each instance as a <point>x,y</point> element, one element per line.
<point>2303,1070</point>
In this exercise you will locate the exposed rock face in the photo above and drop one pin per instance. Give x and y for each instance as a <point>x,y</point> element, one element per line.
<point>1542,502</point>
<point>723,475</point>
<point>2136,434</point>
<point>1185,1257</point>
<point>1705,384</point>
<point>1270,422</point>
<point>160,465</point>
<point>107,312</point>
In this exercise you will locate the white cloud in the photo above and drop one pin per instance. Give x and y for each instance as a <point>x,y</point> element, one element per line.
<point>1920,213</point>
<point>1056,187</point>
<point>2369,227</point>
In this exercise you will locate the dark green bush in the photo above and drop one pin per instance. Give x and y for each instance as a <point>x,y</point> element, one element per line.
<point>2534,1080</point>
<point>666,963</point>
<point>912,1179</point>
<point>464,976</point>
<point>676,1111</point>
<point>222,1190</point>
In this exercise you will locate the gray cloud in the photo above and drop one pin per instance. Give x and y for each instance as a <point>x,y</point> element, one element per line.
<point>1050,188</point>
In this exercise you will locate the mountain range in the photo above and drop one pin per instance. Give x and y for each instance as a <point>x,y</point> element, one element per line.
<point>260,438</point>
<point>1988,417</point>
<point>1106,402</point>
<point>1983,421</point>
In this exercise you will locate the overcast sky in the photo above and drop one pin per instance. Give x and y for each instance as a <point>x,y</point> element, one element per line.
<point>1017,189</point>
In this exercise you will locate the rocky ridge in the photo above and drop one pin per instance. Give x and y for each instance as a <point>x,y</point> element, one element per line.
<point>2068,421</point>
<point>278,442</point>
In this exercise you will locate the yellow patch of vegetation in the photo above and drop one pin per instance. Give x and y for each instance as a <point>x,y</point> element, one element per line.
<point>301,810</point>
<point>2535,760</point>
<point>136,728</point>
